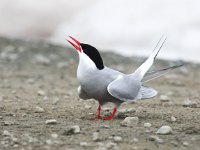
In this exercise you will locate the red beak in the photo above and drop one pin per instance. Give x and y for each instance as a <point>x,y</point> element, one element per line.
<point>76,44</point>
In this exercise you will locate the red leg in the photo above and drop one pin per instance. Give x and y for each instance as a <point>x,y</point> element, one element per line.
<point>112,115</point>
<point>99,112</point>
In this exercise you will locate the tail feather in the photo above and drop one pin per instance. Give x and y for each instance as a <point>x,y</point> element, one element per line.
<point>158,73</point>
<point>141,71</point>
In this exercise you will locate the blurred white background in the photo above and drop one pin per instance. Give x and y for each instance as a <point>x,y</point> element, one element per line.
<point>128,27</point>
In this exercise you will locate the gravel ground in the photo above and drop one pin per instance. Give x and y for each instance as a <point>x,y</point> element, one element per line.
<point>40,108</point>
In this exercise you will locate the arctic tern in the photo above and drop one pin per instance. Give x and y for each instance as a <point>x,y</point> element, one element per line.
<point>108,85</point>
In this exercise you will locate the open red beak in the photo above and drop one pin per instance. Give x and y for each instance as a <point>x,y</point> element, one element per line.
<point>76,44</point>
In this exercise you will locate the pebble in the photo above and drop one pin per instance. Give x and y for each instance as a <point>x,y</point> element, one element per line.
<point>173,119</point>
<point>111,145</point>
<point>131,110</point>
<point>185,143</point>
<point>45,98</point>
<point>41,93</point>
<point>189,103</point>
<point>30,81</point>
<point>83,144</point>
<point>55,100</point>
<point>164,98</point>
<point>54,135</point>
<point>62,65</point>
<point>39,109</point>
<point>72,130</point>
<point>104,126</point>
<point>95,136</point>
<point>117,138</point>
<point>88,107</point>
<point>164,130</point>
<point>1,117</point>
<point>51,121</point>
<point>156,139</point>
<point>6,133</point>
<point>147,125</point>
<point>130,121</point>
<point>42,59</point>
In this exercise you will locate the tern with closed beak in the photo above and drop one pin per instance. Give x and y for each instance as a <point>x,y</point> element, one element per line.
<point>108,85</point>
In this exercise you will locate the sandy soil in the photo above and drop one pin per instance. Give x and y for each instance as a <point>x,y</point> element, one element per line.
<point>38,84</point>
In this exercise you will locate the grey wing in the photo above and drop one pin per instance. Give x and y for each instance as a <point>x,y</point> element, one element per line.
<point>124,88</point>
<point>82,94</point>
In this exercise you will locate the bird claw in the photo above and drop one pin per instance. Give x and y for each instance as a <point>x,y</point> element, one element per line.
<point>108,118</point>
<point>98,117</point>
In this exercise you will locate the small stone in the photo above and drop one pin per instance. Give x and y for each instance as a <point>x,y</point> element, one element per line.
<point>164,130</point>
<point>156,139</point>
<point>72,130</point>
<point>174,143</point>
<point>130,121</point>
<point>30,81</point>
<point>83,144</point>
<point>45,98</point>
<point>111,145</point>
<point>6,133</point>
<point>42,59</point>
<point>55,100</point>
<point>41,93</point>
<point>95,136</point>
<point>187,103</point>
<point>49,142</point>
<point>1,117</point>
<point>54,135</point>
<point>185,143</point>
<point>117,138</point>
<point>51,122</point>
<point>88,107</point>
<point>147,125</point>
<point>164,98</point>
<point>135,140</point>
<point>131,110</point>
<point>62,65</point>
<point>104,126</point>
<point>173,119</point>
<point>39,109</point>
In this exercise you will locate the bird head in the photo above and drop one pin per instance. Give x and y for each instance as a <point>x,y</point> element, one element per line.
<point>87,53</point>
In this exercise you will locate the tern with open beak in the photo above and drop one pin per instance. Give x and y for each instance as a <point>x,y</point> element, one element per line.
<point>108,85</point>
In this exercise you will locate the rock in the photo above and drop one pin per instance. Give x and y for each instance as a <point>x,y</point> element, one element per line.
<point>185,143</point>
<point>6,133</point>
<point>164,130</point>
<point>72,130</point>
<point>42,59</point>
<point>117,138</point>
<point>1,117</point>
<point>164,98</point>
<point>88,107</point>
<point>131,110</point>
<point>156,139</point>
<point>95,136</point>
<point>45,98</point>
<point>41,93</point>
<point>111,145</point>
<point>51,122</point>
<point>104,126</point>
<point>83,144</point>
<point>55,100</point>
<point>39,109</point>
<point>147,125</point>
<point>173,119</point>
<point>30,81</point>
<point>135,140</point>
<point>130,121</point>
<point>189,103</point>
<point>62,65</point>
<point>54,135</point>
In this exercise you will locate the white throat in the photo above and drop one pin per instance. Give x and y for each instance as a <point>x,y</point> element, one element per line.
<point>85,66</point>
